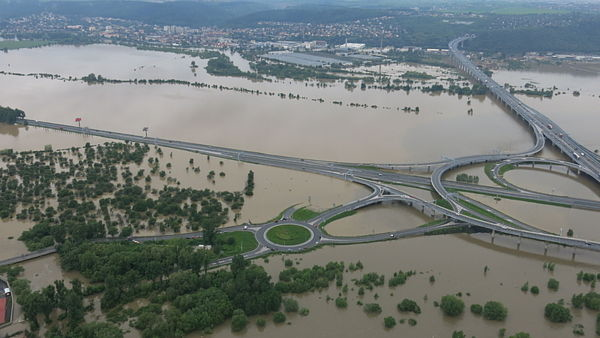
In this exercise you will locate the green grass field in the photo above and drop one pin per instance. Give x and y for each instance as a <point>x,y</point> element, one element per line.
<point>304,214</point>
<point>339,216</point>
<point>244,241</point>
<point>288,234</point>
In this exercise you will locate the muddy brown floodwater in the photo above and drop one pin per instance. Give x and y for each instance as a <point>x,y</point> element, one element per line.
<point>458,266</point>
<point>561,183</point>
<point>295,127</point>
<point>309,129</point>
<point>548,217</point>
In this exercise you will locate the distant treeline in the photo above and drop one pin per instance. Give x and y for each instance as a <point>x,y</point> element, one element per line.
<point>182,13</point>
<point>9,115</point>
<point>580,37</point>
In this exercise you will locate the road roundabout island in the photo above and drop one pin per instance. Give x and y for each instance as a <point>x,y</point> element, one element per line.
<point>288,235</point>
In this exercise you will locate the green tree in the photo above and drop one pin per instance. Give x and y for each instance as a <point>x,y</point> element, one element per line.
<point>408,305</point>
<point>96,330</point>
<point>557,313</point>
<point>341,302</point>
<point>279,317</point>
<point>238,264</point>
<point>592,301</point>
<point>389,322</point>
<point>494,310</point>
<point>261,322</point>
<point>521,335</point>
<point>452,305</point>
<point>577,300</point>
<point>372,308</point>
<point>535,290</point>
<point>290,305</point>
<point>458,334</point>
<point>238,320</point>
<point>553,284</point>
<point>476,309</point>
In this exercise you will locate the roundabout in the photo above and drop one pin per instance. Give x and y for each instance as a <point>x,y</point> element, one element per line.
<point>288,234</point>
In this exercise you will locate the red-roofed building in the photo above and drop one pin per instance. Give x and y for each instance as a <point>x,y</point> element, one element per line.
<point>3,310</point>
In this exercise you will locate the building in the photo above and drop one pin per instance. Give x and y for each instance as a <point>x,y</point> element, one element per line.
<point>351,46</point>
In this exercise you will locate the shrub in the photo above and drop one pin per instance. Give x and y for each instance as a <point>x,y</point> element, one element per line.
<point>493,310</point>
<point>578,330</point>
<point>521,335</point>
<point>452,305</point>
<point>261,322</point>
<point>557,313</point>
<point>408,305</point>
<point>238,321</point>
<point>577,300</point>
<point>279,317</point>
<point>458,334</point>
<point>389,322</point>
<point>372,308</point>
<point>476,309</point>
<point>412,322</point>
<point>304,312</point>
<point>341,302</point>
<point>290,305</point>
<point>592,301</point>
<point>535,290</point>
<point>553,284</point>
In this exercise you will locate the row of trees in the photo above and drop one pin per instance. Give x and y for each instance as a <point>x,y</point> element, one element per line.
<point>10,115</point>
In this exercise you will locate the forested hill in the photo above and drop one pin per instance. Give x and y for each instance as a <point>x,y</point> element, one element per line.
<point>580,37</point>
<point>182,13</point>
<point>313,14</point>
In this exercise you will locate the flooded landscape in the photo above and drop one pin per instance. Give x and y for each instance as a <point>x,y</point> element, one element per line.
<point>441,129</point>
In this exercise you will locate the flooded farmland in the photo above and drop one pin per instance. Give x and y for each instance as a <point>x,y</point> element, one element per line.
<point>310,129</point>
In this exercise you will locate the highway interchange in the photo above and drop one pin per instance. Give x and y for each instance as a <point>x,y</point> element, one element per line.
<point>385,182</point>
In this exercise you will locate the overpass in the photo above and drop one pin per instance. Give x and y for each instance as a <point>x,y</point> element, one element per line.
<point>359,175</point>
<point>587,159</point>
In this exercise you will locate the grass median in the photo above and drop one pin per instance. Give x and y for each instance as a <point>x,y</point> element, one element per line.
<point>288,234</point>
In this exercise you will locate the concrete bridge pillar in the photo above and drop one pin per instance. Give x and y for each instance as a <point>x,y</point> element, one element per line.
<point>574,252</point>
<point>545,248</point>
<point>493,235</point>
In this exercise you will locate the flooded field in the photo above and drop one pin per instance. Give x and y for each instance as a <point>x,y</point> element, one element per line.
<point>457,265</point>
<point>296,127</point>
<point>310,129</point>
<point>547,217</point>
<point>555,183</point>
<point>378,219</point>
<point>578,115</point>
